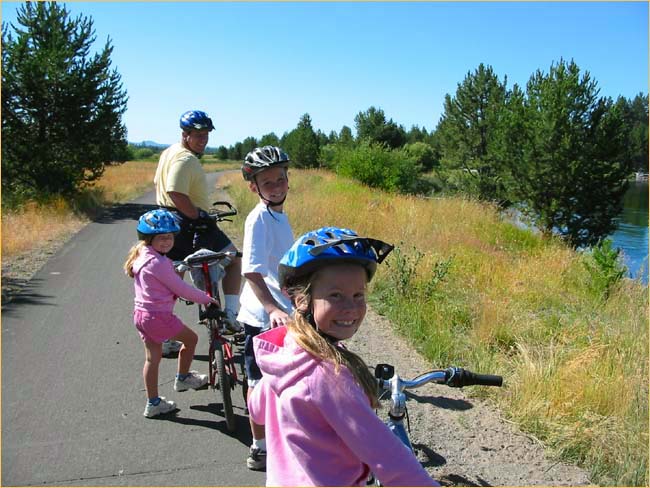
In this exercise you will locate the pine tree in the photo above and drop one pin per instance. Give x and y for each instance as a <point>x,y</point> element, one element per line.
<point>61,106</point>
<point>469,131</point>
<point>571,172</point>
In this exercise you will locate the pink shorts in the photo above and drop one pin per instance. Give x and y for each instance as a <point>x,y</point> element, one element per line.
<point>157,327</point>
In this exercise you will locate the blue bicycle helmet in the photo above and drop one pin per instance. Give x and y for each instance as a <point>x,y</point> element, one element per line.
<point>159,221</point>
<point>196,120</point>
<point>330,245</point>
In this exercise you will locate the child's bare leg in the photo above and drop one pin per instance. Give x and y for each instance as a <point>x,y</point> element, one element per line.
<point>185,356</point>
<point>153,353</point>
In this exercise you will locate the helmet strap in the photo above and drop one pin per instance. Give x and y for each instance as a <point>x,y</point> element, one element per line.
<point>269,203</point>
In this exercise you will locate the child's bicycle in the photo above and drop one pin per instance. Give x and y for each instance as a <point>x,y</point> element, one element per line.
<point>391,383</point>
<point>207,270</point>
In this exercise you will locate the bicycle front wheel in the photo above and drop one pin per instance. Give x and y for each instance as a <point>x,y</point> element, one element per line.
<point>225,386</point>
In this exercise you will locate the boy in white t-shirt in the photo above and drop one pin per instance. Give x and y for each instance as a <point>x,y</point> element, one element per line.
<point>267,236</point>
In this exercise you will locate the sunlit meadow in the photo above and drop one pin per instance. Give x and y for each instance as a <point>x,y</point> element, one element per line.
<point>469,288</point>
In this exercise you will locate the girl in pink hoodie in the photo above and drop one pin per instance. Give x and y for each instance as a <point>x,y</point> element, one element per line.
<point>157,286</point>
<point>315,397</point>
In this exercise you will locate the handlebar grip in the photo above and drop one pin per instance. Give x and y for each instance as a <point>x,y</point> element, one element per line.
<point>488,380</point>
<point>459,377</point>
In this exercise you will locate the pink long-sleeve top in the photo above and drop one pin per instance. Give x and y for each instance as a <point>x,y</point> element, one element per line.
<point>157,286</point>
<point>320,427</point>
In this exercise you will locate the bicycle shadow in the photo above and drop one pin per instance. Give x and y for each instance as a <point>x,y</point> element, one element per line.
<point>435,460</point>
<point>242,433</point>
<point>458,480</point>
<point>441,402</point>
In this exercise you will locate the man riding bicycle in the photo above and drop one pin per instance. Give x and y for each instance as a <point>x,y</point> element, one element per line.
<point>182,187</point>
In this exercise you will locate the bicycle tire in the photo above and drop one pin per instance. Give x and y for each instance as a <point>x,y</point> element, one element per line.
<point>225,387</point>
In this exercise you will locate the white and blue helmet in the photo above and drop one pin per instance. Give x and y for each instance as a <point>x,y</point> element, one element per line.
<point>196,120</point>
<point>330,245</point>
<point>158,221</point>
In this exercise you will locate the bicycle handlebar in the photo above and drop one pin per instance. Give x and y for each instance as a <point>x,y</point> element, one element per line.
<point>195,261</point>
<point>452,377</point>
<point>220,215</point>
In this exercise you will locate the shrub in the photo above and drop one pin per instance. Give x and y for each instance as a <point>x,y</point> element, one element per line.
<point>376,166</point>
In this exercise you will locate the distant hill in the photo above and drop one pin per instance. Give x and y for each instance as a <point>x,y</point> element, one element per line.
<point>149,144</point>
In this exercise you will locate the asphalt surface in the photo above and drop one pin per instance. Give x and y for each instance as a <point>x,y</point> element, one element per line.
<point>72,391</point>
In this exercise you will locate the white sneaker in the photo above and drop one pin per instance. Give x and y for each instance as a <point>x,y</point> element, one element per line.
<point>163,407</point>
<point>171,347</point>
<point>230,321</point>
<point>194,380</point>
<point>256,459</point>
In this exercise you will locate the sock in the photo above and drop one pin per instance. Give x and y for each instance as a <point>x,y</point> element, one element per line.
<point>232,302</point>
<point>182,376</point>
<point>154,401</point>
<point>260,444</point>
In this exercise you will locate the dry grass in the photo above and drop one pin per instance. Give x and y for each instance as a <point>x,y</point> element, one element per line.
<point>121,183</point>
<point>35,224</point>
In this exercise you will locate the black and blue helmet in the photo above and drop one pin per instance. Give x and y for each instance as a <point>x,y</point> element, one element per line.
<point>159,221</point>
<point>196,120</point>
<point>330,245</point>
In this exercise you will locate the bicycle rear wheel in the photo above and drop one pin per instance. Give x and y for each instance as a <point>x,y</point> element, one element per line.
<point>225,386</point>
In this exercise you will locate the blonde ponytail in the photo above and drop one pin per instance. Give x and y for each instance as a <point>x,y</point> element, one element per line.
<point>133,254</point>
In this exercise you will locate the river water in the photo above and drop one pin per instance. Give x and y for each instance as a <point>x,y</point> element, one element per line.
<point>632,233</point>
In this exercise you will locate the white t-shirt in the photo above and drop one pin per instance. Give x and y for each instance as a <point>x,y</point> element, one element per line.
<point>266,238</point>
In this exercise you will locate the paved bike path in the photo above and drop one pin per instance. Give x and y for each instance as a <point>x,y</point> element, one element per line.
<point>72,393</point>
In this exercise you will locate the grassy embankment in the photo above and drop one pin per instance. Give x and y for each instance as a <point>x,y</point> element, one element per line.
<point>469,289</point>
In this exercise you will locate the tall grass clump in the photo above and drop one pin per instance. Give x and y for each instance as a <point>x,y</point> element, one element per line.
<point>469,288</point>
<point>35,224</point>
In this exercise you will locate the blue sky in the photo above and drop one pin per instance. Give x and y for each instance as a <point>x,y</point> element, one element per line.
<point>258,67</point>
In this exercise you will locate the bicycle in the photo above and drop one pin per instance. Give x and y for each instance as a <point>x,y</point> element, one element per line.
<point>389,382</point>
<point>207,269</point>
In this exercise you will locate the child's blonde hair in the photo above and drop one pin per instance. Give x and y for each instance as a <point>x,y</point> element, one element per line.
<point>133,254</point>
<point>315,344</point>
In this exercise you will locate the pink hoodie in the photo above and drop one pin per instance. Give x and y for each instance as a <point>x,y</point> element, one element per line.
<point>157,285</point>
<point>320,428</point>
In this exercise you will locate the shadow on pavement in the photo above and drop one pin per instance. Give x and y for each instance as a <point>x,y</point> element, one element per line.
<point>242,434</point>
<point>123,211</point>
<point>20,292</point>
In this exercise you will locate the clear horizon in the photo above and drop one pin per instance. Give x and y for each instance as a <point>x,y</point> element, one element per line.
<point>258,67</point>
